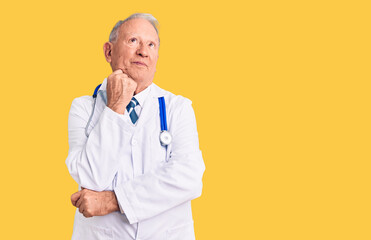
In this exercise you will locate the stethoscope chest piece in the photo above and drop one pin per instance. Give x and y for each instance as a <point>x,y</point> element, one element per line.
<point>165,138</point>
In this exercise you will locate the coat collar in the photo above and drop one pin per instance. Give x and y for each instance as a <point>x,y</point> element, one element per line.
<point>150,106</point>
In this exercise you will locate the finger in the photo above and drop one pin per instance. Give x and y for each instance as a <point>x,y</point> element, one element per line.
<point>84,211</point>
<point>75,197</point>
<point>87,214</point>
<point>124,70</point>
<point>125,76</point>
<point>81,208</point>
<point>79,202</point>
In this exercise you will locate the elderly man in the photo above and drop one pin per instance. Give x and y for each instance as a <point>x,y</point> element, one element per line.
<point>136,179</point>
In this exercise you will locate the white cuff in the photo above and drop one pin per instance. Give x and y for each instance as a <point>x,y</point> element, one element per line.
<point>124,202</point>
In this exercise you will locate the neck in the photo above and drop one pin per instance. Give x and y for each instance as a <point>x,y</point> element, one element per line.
<point>141,87</point>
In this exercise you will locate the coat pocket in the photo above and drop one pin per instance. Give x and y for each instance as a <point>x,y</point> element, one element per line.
<point>183,232</point>
<point>89,232</point>
<point>158,152</point>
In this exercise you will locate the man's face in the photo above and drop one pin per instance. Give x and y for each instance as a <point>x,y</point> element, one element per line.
<point>135,50</point>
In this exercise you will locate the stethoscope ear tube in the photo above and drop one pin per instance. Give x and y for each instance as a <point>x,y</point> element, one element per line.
<point>95,94</point>
<point>96,91</point>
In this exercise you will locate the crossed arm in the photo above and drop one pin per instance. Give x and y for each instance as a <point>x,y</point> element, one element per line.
<point>120,89</point>
<point>92,203</point>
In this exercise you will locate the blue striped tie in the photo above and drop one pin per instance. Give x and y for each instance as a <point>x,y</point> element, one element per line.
<point>130,108</point>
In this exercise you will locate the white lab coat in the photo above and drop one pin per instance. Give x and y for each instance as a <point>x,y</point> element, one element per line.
<point>154,185</point>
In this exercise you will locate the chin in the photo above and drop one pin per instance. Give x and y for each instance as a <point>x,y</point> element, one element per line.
<point>138,77</point>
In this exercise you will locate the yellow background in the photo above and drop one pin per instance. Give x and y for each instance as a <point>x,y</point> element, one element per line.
<point>281,91</point>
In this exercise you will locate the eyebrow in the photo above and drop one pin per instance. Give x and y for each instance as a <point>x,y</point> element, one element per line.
<point>131,34</point>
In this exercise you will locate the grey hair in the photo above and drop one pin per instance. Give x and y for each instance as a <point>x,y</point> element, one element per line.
<point>114,33</point>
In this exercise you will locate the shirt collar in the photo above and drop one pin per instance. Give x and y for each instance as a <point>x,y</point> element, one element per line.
<point>141,97</point>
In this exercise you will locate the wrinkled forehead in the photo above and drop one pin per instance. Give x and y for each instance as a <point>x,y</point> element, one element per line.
<point>138,27</point>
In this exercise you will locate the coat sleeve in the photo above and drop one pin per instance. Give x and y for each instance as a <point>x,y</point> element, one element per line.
<point>177,181</point>
<point>93,161</point>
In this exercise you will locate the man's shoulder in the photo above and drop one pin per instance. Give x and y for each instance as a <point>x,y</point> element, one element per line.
<point>177,107</point>
<point>171,99</point>
<point>83,103</point>
<point>83,100</point>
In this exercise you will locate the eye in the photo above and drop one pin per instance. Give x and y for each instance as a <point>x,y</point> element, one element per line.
<point>152,45</point>
<point>133,40</point>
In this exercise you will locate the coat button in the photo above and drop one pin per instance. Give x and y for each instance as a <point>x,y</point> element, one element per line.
<point>134,142</point>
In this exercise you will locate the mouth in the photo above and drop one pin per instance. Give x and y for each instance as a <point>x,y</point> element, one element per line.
<point>139,63</point>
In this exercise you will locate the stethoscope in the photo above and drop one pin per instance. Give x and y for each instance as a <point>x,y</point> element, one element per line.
<point>165,136</point>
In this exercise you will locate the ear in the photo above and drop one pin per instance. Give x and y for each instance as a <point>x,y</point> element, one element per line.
<point>107,49</point>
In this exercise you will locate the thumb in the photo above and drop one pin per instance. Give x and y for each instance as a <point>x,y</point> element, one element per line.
<point>125,71</point>
<point>75,197</point>
<point>118,71</point>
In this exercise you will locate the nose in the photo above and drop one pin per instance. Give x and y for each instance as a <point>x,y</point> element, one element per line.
<point>142,50</point>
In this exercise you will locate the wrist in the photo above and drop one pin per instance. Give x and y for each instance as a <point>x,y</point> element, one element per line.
<point>117,109</point>
<point>112,204</point>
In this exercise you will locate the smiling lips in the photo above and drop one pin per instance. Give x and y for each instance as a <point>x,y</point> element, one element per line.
<point>140,63</point>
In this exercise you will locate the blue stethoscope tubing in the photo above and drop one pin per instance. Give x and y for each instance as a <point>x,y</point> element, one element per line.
<point>161,102</point>
<point>165,136</point>
<point>95,94</point>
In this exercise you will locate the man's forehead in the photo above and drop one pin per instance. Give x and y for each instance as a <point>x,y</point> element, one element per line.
<point>138,26</point>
